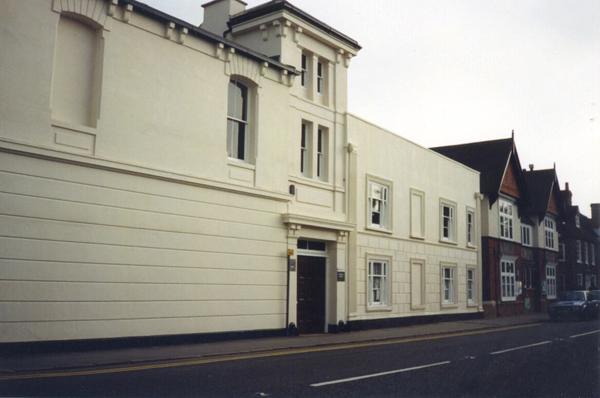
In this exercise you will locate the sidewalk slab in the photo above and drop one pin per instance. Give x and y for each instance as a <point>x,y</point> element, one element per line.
<point>28,363</point>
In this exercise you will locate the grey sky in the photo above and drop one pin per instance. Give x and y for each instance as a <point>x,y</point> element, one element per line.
<point>448,72</point>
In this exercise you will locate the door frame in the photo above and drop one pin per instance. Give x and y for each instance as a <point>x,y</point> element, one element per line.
<point>316,253</point>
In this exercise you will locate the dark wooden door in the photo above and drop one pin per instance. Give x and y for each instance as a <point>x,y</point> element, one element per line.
<point>311,294</point>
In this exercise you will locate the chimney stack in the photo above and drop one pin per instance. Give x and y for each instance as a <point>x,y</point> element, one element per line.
<point>595,214</point>
<point>531,167</point>
<point>567,195</point>
<point>217,13</point>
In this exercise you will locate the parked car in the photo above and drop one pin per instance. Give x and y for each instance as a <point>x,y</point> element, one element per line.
<point>577,304</point>
<point>595,294</point>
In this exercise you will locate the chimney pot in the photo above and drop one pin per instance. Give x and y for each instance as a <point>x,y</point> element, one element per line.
<point>531,167</point>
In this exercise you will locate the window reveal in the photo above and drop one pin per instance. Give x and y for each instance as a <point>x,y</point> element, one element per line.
<point>237,120</point>
<point>470,285</point>
<point>506,219</point>
<point>471,228</point>
<point>319,77</point>
<point>549,230</point>
<point>378,204</point>
<point>304,71</point>
<point>507,280</point>
<point>448,222</point>
<point>378,282</point>
<point>304,151</point>
<point>448,285</point>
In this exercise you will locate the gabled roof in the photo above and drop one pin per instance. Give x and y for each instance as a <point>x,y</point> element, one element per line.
<point>492,159</point>
<point>541,184</point>
<point>487,157</point>
<point>281,5</point>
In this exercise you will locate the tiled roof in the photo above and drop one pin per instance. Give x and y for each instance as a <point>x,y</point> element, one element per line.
<point>487,157</point>
<point>539,184</point>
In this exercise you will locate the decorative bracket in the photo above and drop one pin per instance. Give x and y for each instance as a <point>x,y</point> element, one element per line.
<point>348,57</point>
<point>291,80</point>
<point>283,28</point>
<point>265,32</point>
<point>342,236</point>
<point>219,50</point>
<point>297,34</point>
<point>230,54</point>
<point>182,35</point>
<point>263,68</point>
<point>339,56</point>
<point>170,28</point>
<point>112,7</point>
<point>283,75</point>
<point>127,15</point>
<point>294,230</point>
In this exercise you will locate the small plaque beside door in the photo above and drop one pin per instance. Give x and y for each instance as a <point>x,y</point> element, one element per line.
<point>341,276</point>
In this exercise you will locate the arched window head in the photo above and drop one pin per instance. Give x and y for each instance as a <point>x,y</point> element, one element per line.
<point>238,126</point>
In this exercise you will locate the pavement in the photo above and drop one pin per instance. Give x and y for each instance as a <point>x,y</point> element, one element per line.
<point>11,364</point>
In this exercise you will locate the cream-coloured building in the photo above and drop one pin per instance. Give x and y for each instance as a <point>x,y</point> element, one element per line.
<point>162,179</point>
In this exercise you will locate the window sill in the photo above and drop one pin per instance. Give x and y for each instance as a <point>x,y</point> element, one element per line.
<point>375,229</point>
<point>74,127</point>
<point>379,308</point>
<point>311,182</point>
<point>469,246</point>
<point>448,242</point>
<point>449,305</point>
<point>472,304</point>
<point>240,163</point>
<point>417,237</point>
<point>509,300</point>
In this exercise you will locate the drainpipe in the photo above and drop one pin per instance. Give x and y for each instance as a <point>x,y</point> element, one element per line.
<point>287,298</point>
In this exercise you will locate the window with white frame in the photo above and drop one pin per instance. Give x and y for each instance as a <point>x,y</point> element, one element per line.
<point>585,253</point>
<point>304,71</point>
<point>448,285</point>
<point>238,126</point>
<point>549,230</point>
<point>577,222</point>
<point>506,219</point>
<point>507,277</point>
<point>447,221</point>
<point>551,281</point>
<point>471,228</point>
<point>592,254</point>
<point>304,152</point>
<point>561,252</point>
<point>470,285</point>
<point>578,250</point>
<point>321,138</point>
<point>320,79</point>
<point>579,280</point>
<point>379,200</point>
<point>526,232</point>
<point>378,282</point>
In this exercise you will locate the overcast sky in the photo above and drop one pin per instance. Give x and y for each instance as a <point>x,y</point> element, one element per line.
<point>449,72</point>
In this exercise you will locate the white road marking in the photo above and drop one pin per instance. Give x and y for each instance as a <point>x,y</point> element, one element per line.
<point>584,334</point>
<point>378,374</point>
<point>520,348</point>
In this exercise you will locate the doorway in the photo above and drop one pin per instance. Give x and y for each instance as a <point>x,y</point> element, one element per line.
<point>311,294</point>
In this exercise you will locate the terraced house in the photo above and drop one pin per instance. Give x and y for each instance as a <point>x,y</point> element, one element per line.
<point>162,179</point>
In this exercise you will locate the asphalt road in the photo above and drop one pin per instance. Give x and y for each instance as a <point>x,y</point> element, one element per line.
<point>547,360</point>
